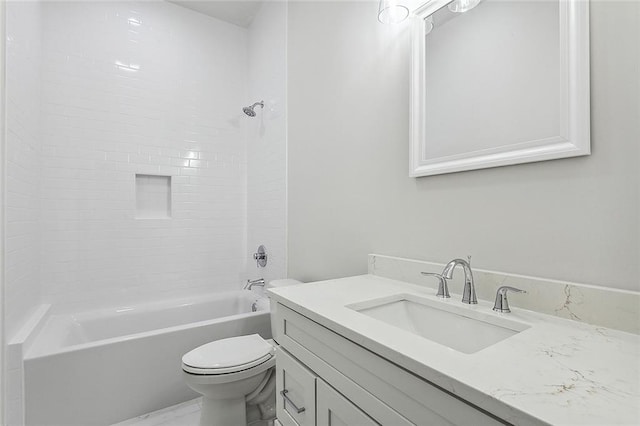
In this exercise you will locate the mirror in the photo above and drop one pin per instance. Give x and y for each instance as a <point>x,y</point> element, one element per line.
<point>505,83</point>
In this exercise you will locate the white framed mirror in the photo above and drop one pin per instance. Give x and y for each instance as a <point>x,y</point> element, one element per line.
<point>504,83</point>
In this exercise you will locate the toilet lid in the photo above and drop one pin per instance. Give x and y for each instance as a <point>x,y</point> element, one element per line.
<point>232,354</point>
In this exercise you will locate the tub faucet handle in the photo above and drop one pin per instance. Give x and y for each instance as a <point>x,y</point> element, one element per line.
<point>260,257</point>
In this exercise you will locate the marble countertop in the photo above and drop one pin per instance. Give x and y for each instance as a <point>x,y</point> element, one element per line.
<point>558,371</point>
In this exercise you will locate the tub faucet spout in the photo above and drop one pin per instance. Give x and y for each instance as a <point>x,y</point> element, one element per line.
<point>469,292</point>
<point>250,283</point>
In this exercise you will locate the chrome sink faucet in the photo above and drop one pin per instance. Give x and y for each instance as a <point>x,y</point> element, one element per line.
<point>469,291</point>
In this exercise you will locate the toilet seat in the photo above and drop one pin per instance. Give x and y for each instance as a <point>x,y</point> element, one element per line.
<point>229,355</point>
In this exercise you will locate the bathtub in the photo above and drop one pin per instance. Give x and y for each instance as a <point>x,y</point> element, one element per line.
<point>108,365</point>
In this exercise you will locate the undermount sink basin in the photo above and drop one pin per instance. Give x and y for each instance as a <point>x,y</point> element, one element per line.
<point>465,330</point>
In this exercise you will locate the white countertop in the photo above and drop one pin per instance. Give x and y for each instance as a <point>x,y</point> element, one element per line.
<point>557,371</point>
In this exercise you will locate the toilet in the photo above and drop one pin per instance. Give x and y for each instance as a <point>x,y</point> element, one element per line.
<point>234,376</point>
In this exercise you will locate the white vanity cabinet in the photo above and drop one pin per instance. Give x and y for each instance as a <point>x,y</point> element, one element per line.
<point>335,381</point>
<point>302,396</point>
<point>296,390</point>
<point>335,410</point>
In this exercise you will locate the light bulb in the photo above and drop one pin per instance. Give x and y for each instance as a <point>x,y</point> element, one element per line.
<point>392,12</point>
<point>461,6</point>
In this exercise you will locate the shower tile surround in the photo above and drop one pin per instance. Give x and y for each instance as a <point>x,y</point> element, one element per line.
<point>600,306</point>
<point>22,291</point>
<point>99,92</point>
<point>130,88</point>
<point>266,141</point>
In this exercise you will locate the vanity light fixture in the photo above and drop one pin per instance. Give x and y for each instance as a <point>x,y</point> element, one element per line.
<point>461,6</point>
<point>392,12</point>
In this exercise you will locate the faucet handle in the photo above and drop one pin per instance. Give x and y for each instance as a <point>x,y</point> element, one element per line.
<point>502,304</point>
<point>443,288</point>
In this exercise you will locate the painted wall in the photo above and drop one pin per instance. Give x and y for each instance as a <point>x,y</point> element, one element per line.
<point>141,88</point>
<point>349,190</point>
<point>266,140</point>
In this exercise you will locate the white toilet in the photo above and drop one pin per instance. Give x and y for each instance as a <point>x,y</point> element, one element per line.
<point>233,375</point>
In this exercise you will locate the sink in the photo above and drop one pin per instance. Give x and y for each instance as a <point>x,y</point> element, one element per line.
<point>463,329</point>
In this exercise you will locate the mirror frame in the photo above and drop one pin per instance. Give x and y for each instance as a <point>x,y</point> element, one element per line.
<point>574,138</point>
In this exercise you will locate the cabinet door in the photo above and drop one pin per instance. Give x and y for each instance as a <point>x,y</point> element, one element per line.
<point>333,409</point>
<point>296,392</point>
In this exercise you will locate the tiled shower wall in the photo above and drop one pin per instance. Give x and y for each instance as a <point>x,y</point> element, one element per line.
<point>266,141</point>
<point>22,193</point>
<point>22,279</point>
<point>141,88</point>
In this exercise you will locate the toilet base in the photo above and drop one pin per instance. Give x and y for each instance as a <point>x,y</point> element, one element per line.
<point>223,412</point>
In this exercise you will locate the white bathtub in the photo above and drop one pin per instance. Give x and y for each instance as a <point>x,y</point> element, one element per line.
<point>108,365</point>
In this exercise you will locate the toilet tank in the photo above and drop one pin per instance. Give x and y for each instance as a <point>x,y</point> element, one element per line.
<point>274,306</point>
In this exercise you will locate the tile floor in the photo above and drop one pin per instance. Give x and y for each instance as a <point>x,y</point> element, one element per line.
<point>184,414</point>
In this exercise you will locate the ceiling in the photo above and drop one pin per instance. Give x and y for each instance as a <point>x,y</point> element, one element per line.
<point>238,12</point>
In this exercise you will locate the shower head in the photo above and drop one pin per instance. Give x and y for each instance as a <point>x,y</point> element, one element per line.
<point>249,110</point>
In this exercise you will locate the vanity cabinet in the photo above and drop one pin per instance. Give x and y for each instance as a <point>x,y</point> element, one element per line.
<point>296,390</point>
<point>337,381</point>
<point>335,410</point>
<point>306,400</point>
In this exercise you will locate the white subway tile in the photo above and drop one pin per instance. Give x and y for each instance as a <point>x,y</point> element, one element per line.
<point>105,123</point>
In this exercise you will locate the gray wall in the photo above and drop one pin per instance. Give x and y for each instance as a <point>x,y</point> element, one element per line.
<point>350,194</point>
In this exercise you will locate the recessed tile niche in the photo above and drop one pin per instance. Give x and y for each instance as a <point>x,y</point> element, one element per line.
<point>153,197</point>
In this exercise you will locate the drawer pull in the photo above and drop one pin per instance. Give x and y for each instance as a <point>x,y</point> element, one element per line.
<point>286,398</point>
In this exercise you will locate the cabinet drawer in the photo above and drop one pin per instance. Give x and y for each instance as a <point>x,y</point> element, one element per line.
<point>333,409</point>
<point>336,358</point>
<point>296,392</point>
